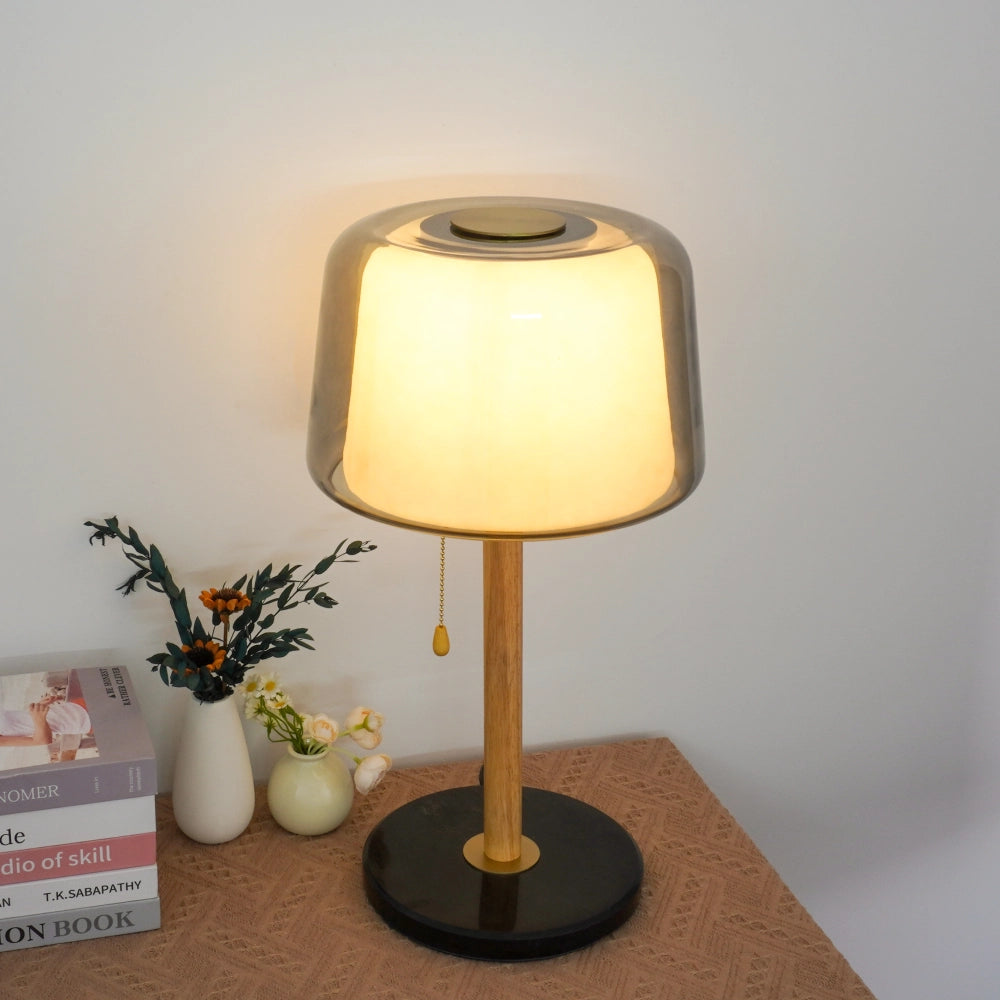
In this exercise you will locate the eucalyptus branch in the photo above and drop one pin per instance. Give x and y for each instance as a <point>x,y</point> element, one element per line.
<point>200,663</point>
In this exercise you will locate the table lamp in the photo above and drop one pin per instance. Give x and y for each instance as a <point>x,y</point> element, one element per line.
<point>510,370</point>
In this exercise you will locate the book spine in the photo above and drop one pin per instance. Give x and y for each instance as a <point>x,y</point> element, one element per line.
<point>65,785</point>
<point>94,821</point>
<point>79,858</point>
<point>79,925</point>
<point>56,894</point>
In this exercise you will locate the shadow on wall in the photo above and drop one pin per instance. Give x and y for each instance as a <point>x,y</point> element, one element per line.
<point>818,843</point>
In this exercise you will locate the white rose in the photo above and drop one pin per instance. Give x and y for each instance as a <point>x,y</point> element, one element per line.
<point>370,772</point>
<point>365,727</point>
<point>323,729</point>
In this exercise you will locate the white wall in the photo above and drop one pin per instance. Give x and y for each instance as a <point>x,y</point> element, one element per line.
<point>817,627</point>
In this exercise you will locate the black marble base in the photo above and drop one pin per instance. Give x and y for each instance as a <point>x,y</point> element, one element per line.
<point>584,886</point>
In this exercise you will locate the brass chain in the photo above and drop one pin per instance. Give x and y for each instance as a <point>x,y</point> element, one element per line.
<point>441,587</point>
<point>441,643</point>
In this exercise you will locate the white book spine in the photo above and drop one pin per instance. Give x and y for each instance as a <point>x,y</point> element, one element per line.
<point>73,892</point>
<point>70,824</point>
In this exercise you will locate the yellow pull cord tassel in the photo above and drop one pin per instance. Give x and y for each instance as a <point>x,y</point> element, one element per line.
<point>441,643</point>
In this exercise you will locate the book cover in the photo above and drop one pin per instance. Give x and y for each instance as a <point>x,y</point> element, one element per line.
<point>70,737</point>
<point>53,895</point>
<point>79,925</point>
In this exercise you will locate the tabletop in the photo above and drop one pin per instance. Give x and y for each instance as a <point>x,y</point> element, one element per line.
<point>274,915</point>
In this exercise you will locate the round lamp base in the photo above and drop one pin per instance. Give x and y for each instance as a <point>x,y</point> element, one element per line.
<point>584,885</point>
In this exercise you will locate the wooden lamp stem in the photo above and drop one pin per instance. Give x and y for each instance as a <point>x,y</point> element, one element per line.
<point>502,657</point>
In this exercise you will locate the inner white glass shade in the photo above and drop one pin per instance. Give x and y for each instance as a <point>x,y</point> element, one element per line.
<point>504,388</point>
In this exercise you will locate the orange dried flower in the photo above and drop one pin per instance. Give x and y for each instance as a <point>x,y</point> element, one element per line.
<point>205,653</point>
<point>225,601</point>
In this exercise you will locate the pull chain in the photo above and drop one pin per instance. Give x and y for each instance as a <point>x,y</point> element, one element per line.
<point>441,643</point>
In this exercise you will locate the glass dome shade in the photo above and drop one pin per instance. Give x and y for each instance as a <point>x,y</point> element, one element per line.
<point>506,368</point>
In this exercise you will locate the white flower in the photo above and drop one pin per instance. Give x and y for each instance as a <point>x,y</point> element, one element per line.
<point>268,685</point>
<point>250,689</point>
<point>365,727</point>
<point>277,700</point>
<point>370,772</point>
<point>321,728</point>
<point>251,686</point>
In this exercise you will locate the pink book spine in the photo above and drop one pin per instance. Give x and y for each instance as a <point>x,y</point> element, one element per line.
<point>80,858</point>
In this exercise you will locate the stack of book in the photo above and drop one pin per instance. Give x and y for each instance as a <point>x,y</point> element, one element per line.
<point>77,813</point>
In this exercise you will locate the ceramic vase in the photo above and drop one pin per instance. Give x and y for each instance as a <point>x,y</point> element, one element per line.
<point>310,793</point>
<point>213,792</point>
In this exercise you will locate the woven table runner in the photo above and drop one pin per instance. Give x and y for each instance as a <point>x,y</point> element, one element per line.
<point>274,916</point>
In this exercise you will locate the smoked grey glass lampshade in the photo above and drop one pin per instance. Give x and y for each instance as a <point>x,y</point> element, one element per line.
<point>506,368</point>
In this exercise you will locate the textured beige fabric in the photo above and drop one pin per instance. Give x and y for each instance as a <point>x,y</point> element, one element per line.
<point>272,915</point>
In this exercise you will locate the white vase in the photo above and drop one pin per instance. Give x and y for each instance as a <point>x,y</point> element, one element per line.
<point>310,793</point>
<point>213,791</point>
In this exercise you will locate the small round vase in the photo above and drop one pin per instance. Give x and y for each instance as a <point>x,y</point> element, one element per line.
<point>310,793</point>
<point>213,793</point>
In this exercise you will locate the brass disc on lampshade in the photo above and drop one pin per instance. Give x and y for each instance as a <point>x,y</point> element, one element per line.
<point>508,370</point>
<point>506,222</point>
<point>537,385</point>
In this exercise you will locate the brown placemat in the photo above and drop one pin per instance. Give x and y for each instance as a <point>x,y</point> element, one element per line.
<point>273,916</point>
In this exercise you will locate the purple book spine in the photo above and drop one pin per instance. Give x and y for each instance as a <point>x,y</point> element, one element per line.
<point>100,781</point>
